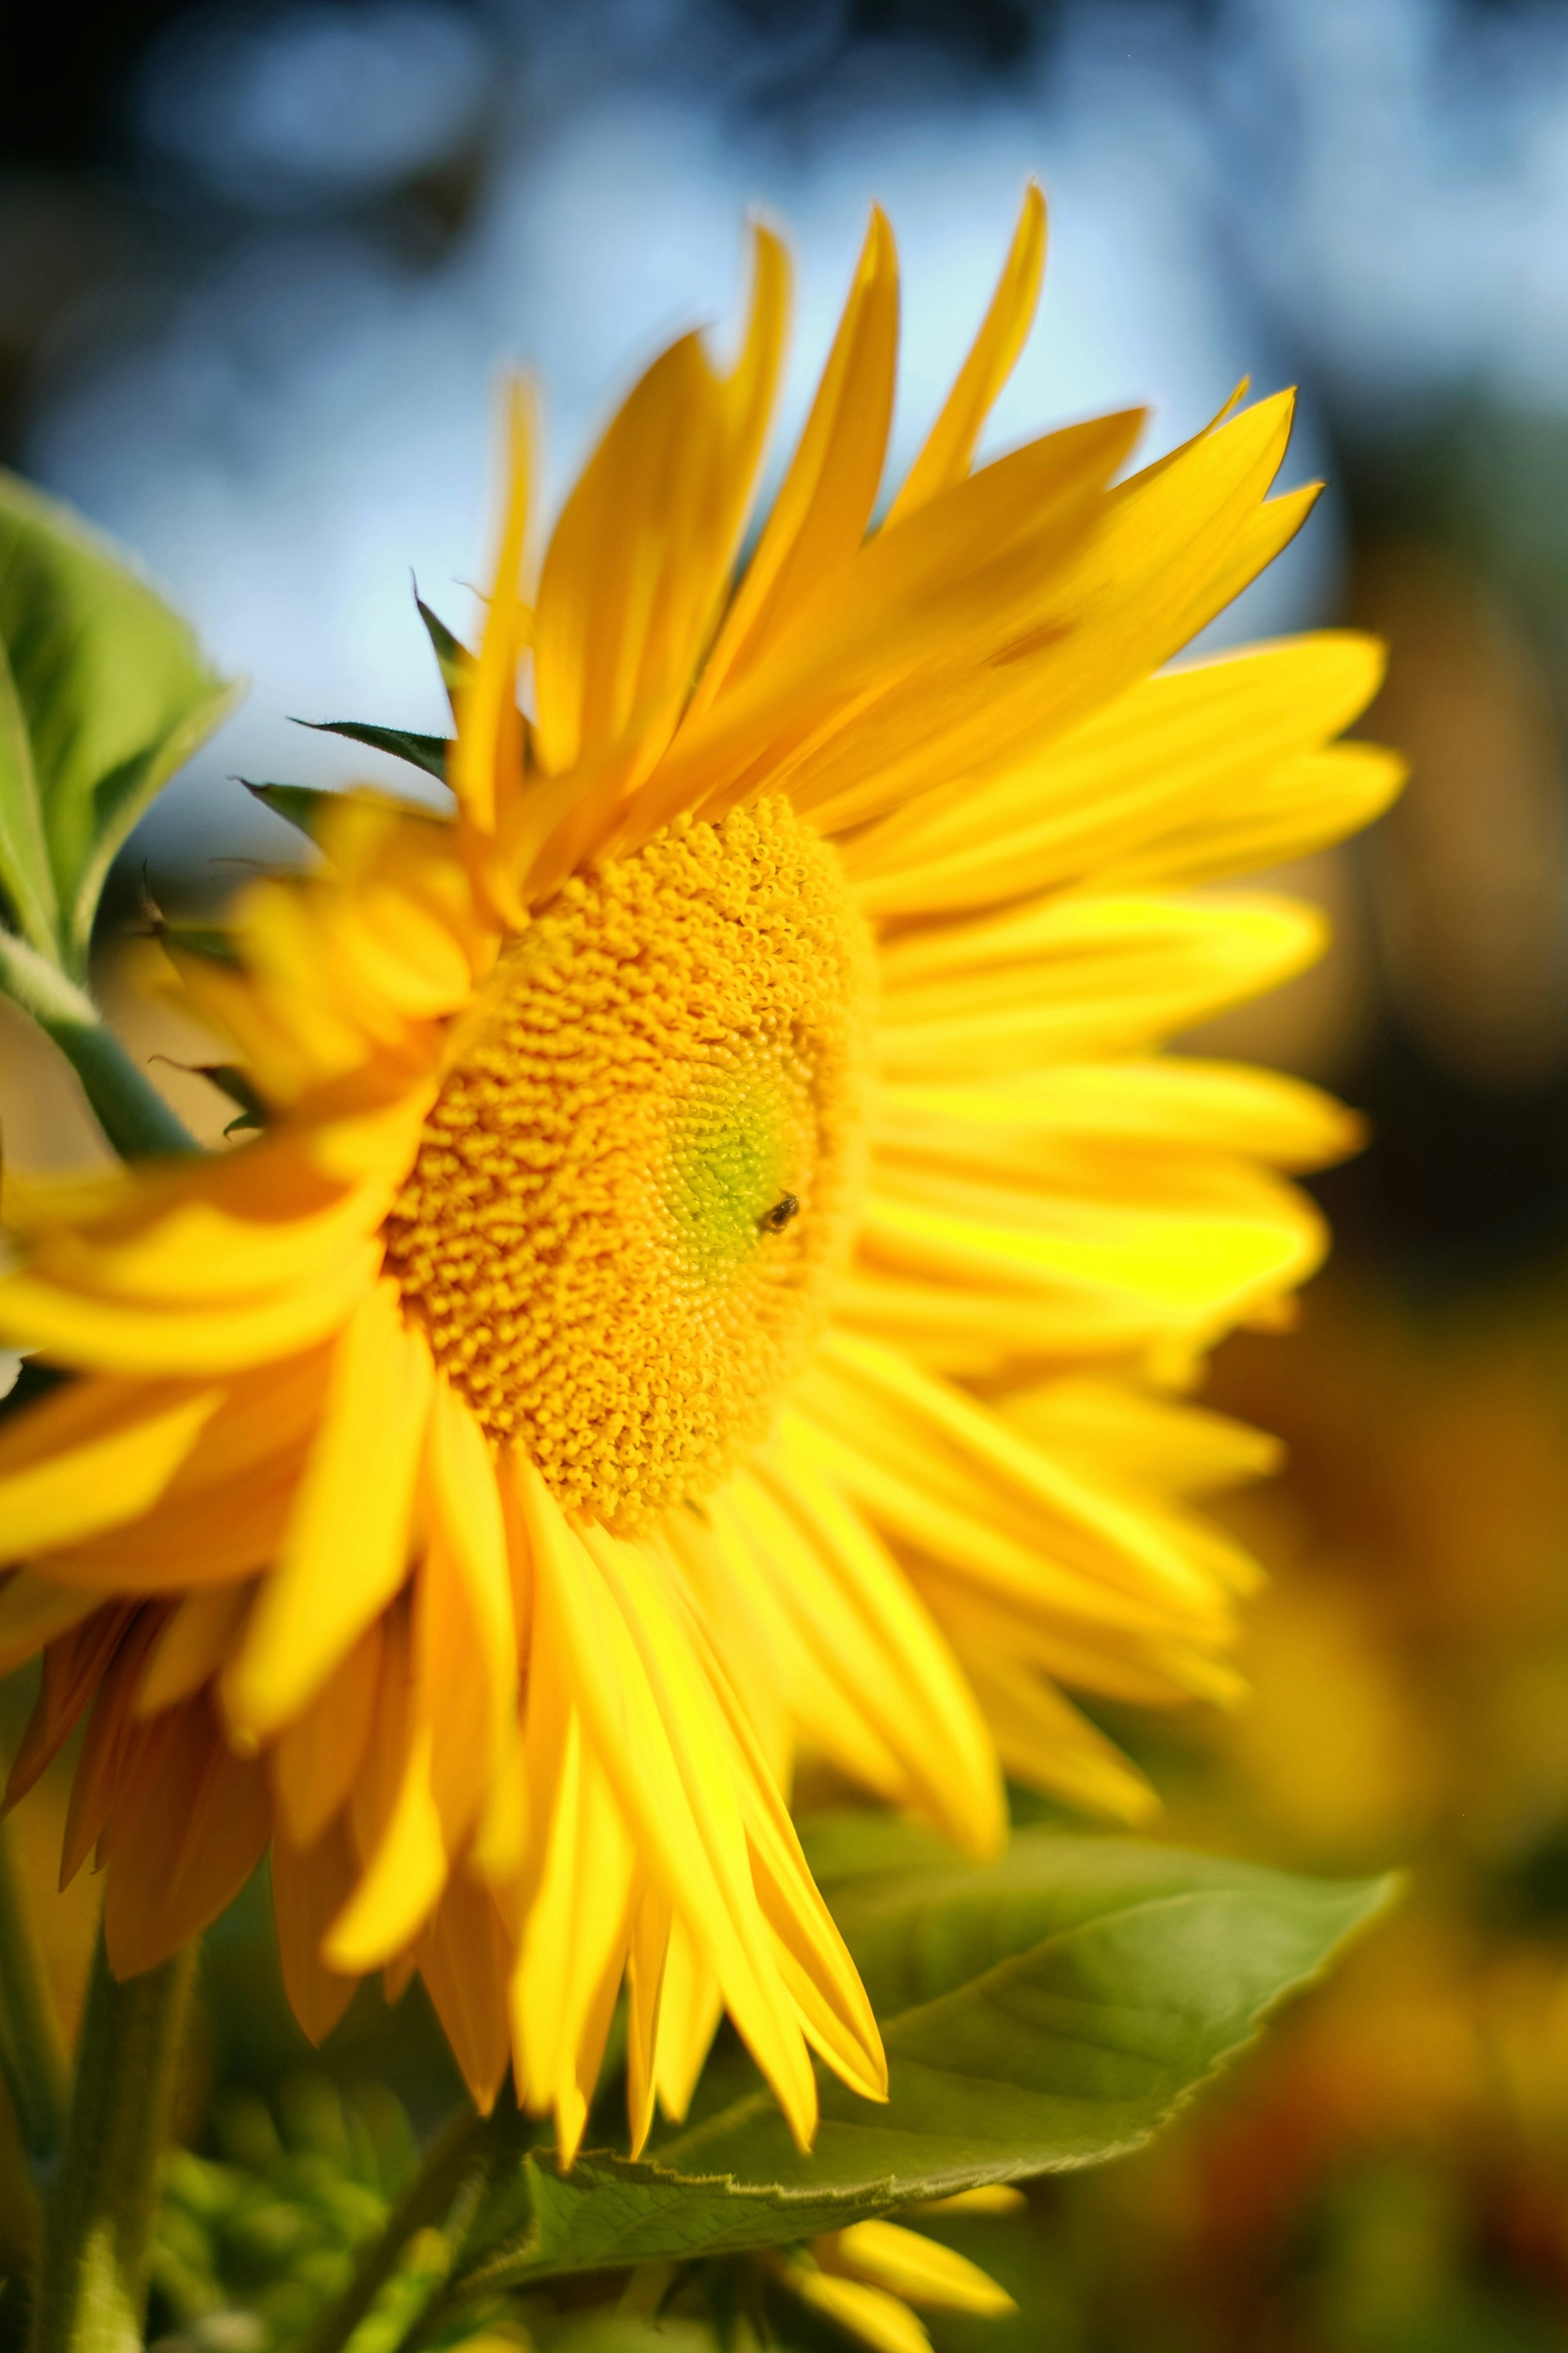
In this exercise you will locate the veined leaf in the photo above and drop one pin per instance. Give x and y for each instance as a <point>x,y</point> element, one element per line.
<point>113,695</point>
<point>1051,2010</point>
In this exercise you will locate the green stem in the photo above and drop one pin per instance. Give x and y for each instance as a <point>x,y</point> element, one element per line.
<point>92,2280</point>
<point>32,2049</point>
<point>129,1110</point>
<point>450,2159</point>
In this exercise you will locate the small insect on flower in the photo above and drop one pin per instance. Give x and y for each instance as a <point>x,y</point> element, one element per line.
<point>724,1234</point>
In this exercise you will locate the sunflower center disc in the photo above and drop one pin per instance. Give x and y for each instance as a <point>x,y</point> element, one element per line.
<point>642,1168</point>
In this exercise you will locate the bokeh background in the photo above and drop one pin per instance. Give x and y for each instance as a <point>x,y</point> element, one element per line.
<point>260,260</point>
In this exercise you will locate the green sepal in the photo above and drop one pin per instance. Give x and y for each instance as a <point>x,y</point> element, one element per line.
<point>231,1081</point>
<point>304,807</point>
<point>310,810</point>
<point>453,658</point>
<point>199,940</point>
<point>105,693</point>
<point>426,751</point>
<point>1049,2011</point>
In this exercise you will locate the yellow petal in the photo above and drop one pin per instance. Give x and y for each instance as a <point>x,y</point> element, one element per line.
<point>856,1611</point>
<point>639,560</point>
<point>989,2197</point>
<point>950,445</point>
<point>824,501</point>
<point>651,1714</point>
<point>1047,1745</point>
<point>1259,1114</point>
<point>573,1943</point>
<point>690,2004</point>
<point>466,1636</point>
<point>317,1754</point>
<point>1064,978</point>
<point>91,1455</point>
<point>489,749</point>
<point>908,2264</point>
<point>396,1822</point>
<point>1164,779</point>
<point>646,1959</point>
<point>869,2314</point>
<point>464,1959</point>
<point>346,1551</point>
<point>403,1879</point>
<point>1123,1432</point>
<point>192,1647</point>
<point>73,1327</point>
<point>309,1887</point>
<point>182,1845</point>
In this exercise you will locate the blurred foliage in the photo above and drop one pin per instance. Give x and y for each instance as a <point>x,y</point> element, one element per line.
<point>252,2244</point>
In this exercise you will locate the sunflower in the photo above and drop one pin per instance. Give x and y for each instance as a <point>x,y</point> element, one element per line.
<point>723,1239</point>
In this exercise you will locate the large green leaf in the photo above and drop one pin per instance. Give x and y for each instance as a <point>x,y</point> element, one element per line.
<point>25,875</point>
<point>113,695</point>
<point>1048,2011</point>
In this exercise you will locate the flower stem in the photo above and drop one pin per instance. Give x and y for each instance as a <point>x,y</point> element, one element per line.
<point>32,2049</point>
<point>129,1110</point>
<point>92,2280</point>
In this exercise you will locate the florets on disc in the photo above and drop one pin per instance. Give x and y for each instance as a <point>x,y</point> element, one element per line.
<point>643,1163</point>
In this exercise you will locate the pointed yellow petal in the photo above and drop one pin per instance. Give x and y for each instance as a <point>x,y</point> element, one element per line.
<point>346,1551</point>
<point>396,1822</point>
<point>402,1881</point>
<point>489,751</point>
<point>854,1607</point>
<point>1173,1099</point>
<point>464,1959</point>
<point>645,1961</point>
<point>466,1629</point>
<point>650,1710</point>
<point>574,1944</point>
<point>310,1888</point>
<point>826,499</point>
<point>192,1647</point>
<point>867,2314</point>
<point>1049,1745</point>
<point>1165,780</point>
<point>639,561</point>
<point>1063,979</point>
<point>317,1754</point>
<point>1004,332</point>
<point>691,2005</point>
<point>91,1455</point>
<point>182,1845</point>
<point>908,2264</point>
<point>73,1327</point>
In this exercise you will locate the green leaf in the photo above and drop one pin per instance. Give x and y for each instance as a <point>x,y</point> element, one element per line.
<point>26,874</point>
<point>426,751</point>
<point>113,695</point>
<point>1049,2011</point>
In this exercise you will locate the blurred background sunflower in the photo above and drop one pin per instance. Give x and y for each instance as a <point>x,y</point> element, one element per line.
<point>256,263</point>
